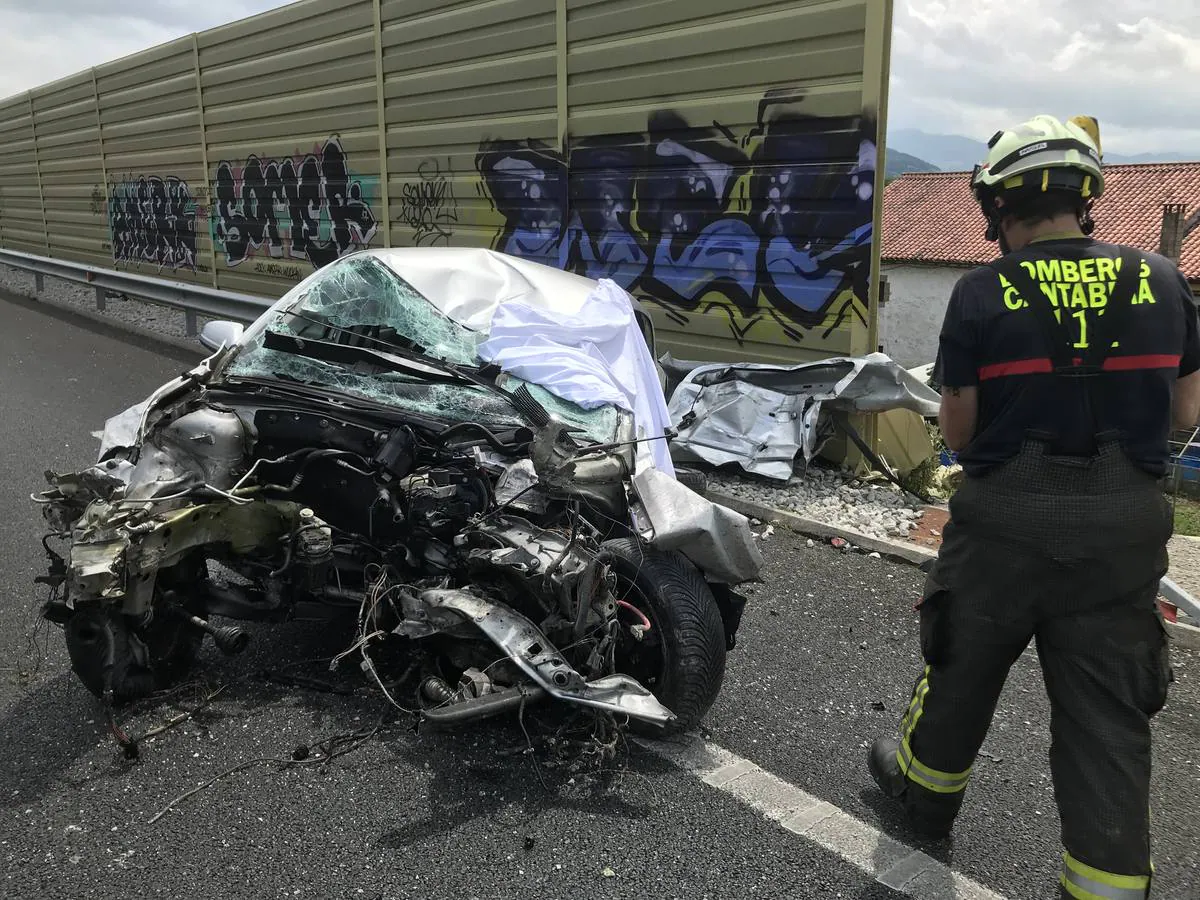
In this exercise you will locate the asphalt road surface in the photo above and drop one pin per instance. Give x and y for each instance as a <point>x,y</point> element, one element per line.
<point>825,661</point>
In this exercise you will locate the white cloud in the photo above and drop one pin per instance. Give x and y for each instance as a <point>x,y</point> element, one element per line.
<point>971,68</point>
<point>43,41</point>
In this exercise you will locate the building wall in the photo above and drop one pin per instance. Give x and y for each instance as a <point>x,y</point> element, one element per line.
<point>911,319</point>
<point>716,159</point>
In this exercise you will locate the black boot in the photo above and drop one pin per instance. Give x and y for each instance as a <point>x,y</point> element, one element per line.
<point>930,817</point>
<point>885,767</point>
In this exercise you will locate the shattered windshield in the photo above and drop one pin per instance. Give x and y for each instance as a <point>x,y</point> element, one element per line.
<point>361,302</point>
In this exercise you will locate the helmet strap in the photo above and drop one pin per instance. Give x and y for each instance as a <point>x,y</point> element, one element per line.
<point>992,214</point>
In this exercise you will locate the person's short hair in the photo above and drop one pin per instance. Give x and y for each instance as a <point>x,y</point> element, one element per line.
<point>1034,207</point>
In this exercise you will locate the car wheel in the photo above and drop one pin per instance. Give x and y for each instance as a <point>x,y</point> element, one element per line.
<point>692,478</point>
<point>143,658</point>
<point>681,659</point>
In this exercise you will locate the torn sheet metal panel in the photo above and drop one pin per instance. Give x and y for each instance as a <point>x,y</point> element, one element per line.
<point>532,651</point>
<point>121,431</point>
<point>716,539</point>
<point>760,416</point>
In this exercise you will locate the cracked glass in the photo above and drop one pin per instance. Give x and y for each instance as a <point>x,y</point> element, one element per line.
<point>360,302</point>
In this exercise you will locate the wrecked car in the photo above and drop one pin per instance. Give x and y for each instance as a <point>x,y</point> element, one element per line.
<point>350,456</point>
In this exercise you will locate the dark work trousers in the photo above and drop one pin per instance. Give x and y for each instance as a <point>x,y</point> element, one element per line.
<point>1066,553</point>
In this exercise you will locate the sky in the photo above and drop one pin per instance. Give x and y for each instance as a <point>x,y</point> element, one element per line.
<point>41,40</point>
<point>972,67</point>
<point>964,67</point>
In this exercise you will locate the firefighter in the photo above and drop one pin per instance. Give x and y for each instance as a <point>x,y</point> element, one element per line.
<point>1064,364</point>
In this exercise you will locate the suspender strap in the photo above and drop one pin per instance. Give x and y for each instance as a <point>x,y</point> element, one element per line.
<point>1108,328</point>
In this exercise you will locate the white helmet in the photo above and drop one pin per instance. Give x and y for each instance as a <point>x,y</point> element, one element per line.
<point>1041,155</point>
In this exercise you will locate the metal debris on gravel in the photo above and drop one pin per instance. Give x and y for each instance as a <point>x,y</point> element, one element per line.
<point>877,510</point>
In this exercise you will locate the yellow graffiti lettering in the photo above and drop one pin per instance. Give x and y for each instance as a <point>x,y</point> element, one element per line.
<point>1145,295</point>
<point>1012,299</point>
<point>1079,297</point>
<point>1030,268</point>
<point>1070,270</point>
<point>1087,270</point>
<point>1106,269</point>
<point>1049,270</point>
<point>1063,290</point>
<point>1098,294</point>
<point>1145,270</point>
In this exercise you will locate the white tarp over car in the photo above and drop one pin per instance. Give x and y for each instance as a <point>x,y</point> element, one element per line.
<point>577,338</point>
<point>761,416</point>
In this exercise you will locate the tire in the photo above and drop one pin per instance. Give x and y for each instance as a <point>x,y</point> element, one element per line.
<point>692,478</point>
<point>145,658</point>
<point>684,667</point>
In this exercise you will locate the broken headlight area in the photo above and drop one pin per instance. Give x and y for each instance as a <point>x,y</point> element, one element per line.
<point>484,567</point>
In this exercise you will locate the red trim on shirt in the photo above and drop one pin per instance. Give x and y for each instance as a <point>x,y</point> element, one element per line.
<point>1039,366</point>
<point>1043,365</point>
<point>1147,361</point>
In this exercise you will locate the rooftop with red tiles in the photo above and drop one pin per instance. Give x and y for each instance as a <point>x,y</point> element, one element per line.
<point>931,217</point>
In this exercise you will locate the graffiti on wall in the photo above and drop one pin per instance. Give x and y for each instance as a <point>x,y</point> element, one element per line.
<point>152,220</point>
<point>776,222</point>
<point>307,207</point>
<point>428,206</point>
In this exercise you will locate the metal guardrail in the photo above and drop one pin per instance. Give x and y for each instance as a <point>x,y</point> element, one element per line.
<point>191,299</point>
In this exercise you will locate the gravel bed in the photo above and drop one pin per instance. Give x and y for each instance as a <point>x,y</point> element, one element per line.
<point>136,315</point>
<point>877,510</point>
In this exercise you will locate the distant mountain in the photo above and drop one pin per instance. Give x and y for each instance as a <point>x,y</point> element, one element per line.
<point>948,152</point>
<point>1118,159</point>
<point>955,153</point>
<point>901,163</point>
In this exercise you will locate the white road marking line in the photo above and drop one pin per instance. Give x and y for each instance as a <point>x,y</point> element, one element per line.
<point>888,861</point>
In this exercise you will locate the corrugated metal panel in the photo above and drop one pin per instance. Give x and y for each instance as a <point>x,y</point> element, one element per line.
<point>458,80</point>
<point>743,146</point>
<point>153,163</point>
<point>715,158</point>
<point>68,138</point>
<point>21,223</point>
<point>291,124</point>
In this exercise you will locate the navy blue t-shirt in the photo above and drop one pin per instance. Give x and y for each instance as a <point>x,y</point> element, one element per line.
<point>992,340</point>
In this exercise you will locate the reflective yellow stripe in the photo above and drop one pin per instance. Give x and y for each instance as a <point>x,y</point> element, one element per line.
<point>931,779</point>
<point>915,709</point>
<point>1089,883</point>
<point>1045,180</point>
<point>916,706</point>
<point>1087,187</point>
<point>913,768</point>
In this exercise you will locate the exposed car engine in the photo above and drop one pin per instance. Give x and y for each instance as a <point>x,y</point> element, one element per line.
<point>419,533</point>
